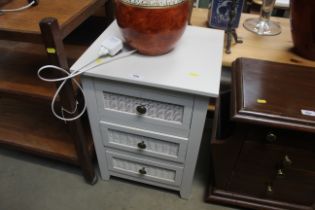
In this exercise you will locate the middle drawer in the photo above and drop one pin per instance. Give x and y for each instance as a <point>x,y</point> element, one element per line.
<point>144,142</point>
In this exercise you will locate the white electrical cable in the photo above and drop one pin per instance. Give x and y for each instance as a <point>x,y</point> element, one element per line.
<point>71,76</point>
<point>18,9</point>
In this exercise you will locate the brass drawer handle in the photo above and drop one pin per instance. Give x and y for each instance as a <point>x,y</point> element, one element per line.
<point>280,172</point>
<point>271,137</point>
<point>287,161</point>
<point>141,109</point>
<point>142,145</point>
<point>142,171</point>
<point>269,189</point>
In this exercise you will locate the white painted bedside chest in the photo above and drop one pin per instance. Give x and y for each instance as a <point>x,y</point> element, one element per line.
<point>147,113</point>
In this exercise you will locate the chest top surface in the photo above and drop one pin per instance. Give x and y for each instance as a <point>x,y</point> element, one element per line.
<point>193,66</point>
<point>277,94</point>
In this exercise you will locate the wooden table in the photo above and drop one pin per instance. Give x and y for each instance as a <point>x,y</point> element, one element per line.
<point>26,122</point>
<point>272,48</point>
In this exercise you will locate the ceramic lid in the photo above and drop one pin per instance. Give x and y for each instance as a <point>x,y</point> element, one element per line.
<point>153,3</point>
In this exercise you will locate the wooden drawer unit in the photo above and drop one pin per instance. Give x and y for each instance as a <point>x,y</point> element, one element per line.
<point>148,112</point>
<point>145,134</point>
<point>144,142</point>
<point>143,169</point>
<point>267,159</point>
<point>150,109</point>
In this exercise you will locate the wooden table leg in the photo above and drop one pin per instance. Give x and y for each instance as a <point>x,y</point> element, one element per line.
<point>55,50</point>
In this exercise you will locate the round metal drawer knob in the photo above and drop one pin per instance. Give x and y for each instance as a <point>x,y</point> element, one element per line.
<point>142,171</point>
<point>271,137</point>
<point>287,160</point>
<point>141,145</point>
<point>269,189</point>
<point>280,172</point>
<point>141,109</point>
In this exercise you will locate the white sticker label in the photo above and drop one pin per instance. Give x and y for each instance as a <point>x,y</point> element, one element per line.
<point>308,112</point>
<point>136,76</point>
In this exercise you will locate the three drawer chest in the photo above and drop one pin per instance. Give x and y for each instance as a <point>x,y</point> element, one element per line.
<point>147,113</point>
<point>263,145</point>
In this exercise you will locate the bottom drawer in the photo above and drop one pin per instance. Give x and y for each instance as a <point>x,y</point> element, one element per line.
<point>144,169</point>
<point>296,187</point>
<point>261,172</point>
<point>255,168</point>
<point>252,185</point>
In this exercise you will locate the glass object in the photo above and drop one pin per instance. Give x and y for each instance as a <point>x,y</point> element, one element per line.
<point>262,25</point>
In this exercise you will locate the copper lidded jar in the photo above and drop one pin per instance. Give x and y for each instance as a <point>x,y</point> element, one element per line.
<point>152,26</point>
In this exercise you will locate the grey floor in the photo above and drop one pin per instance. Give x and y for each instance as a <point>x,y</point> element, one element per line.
<point>32,183</point>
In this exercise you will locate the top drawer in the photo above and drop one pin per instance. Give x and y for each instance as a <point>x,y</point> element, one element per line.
<point>143,107</point>
<point>281,137</point>
<point>297,149</point>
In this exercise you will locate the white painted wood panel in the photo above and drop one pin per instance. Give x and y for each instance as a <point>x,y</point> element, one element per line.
<point>156,144</point>
<point>167,111</point>
<point>154,171</point>
<point>194,66</point>
<point>174,88</point>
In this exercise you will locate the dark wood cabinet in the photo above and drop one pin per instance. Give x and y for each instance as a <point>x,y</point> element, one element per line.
<point>263,142</point>
<point>29,40</point>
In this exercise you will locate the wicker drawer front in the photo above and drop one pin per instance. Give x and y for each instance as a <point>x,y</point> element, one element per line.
<point>149,109</point>
<point>143,169</point>
<point>154,109</point>
<point>144,142</point>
